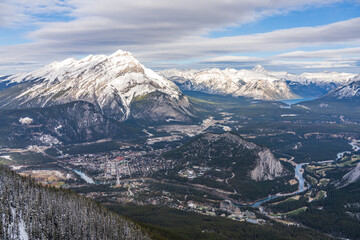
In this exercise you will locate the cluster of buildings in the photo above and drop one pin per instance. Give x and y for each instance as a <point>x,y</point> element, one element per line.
<point>118,167</point>
<point>194,172</point>
<point>235,212</point>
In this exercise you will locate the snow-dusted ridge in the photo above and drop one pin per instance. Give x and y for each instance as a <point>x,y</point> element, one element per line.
<point>257,83</point>
<point>350,90</point>
<point>111,83</point>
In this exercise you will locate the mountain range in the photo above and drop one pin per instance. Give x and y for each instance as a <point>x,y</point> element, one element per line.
<point>114,84</point>
<point>257,83</point>
<point>110,90</point>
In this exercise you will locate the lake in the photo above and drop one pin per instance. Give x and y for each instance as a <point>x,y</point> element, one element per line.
<point>295,101</point>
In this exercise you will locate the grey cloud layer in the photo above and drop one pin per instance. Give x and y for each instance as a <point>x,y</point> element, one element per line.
<point>165,30</point>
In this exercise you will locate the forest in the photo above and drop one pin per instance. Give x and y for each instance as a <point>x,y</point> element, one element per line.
<point>31,211</point>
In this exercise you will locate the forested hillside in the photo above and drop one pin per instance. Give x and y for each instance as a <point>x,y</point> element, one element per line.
<point>30,211</point>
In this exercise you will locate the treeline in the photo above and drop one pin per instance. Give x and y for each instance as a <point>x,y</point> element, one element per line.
<point>31,211</point>
<point>168,223</point>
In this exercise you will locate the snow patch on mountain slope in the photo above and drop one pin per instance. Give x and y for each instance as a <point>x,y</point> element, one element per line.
<point>26,121</point>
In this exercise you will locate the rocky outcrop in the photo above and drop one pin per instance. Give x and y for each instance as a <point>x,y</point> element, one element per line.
<point>267,168</point>
<point>230,151</point>
<point>352,176</point>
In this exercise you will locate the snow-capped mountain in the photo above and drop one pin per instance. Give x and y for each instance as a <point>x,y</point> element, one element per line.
<point>111,83</point>
<point>258,83</point>
<point>350,90</point>
<point>315,84</point>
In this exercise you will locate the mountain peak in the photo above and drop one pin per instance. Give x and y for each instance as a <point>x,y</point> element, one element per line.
<point>121,53</point>
<point>259,68</point>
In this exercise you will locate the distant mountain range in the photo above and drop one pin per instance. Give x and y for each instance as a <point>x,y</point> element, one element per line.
<point>257,83</point>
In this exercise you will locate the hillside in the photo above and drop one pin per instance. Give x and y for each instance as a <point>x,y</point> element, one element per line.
<point>30,211</point>
<point>248,169</point>
<point>61,124</point>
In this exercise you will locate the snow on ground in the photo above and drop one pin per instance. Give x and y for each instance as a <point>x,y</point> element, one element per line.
<point>26,121</point>
<point>23,234</point>
<point>8,157</point>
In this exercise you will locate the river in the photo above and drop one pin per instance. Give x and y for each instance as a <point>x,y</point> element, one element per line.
<point>355,147</point>
<point>295,101</point>
<point>298,176</point>
<point>85,177</point>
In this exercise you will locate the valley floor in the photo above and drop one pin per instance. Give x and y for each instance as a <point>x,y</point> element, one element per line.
<point>121,174</point>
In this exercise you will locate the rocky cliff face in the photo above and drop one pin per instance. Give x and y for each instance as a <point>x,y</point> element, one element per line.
<point>352,176</point>
<point>157,106</point>
<point>267,168</point>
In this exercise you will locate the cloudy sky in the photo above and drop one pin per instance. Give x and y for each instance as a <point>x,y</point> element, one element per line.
<point>295,36</point>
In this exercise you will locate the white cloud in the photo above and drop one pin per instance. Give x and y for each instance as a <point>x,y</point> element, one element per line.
<point>335,33</point>
<point>16,13</point>
<point>328,53</point>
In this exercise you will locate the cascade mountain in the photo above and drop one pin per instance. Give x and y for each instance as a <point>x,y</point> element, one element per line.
<point>119,87</point>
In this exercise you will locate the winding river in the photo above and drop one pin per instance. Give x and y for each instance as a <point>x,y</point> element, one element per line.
<point>299,176</point>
